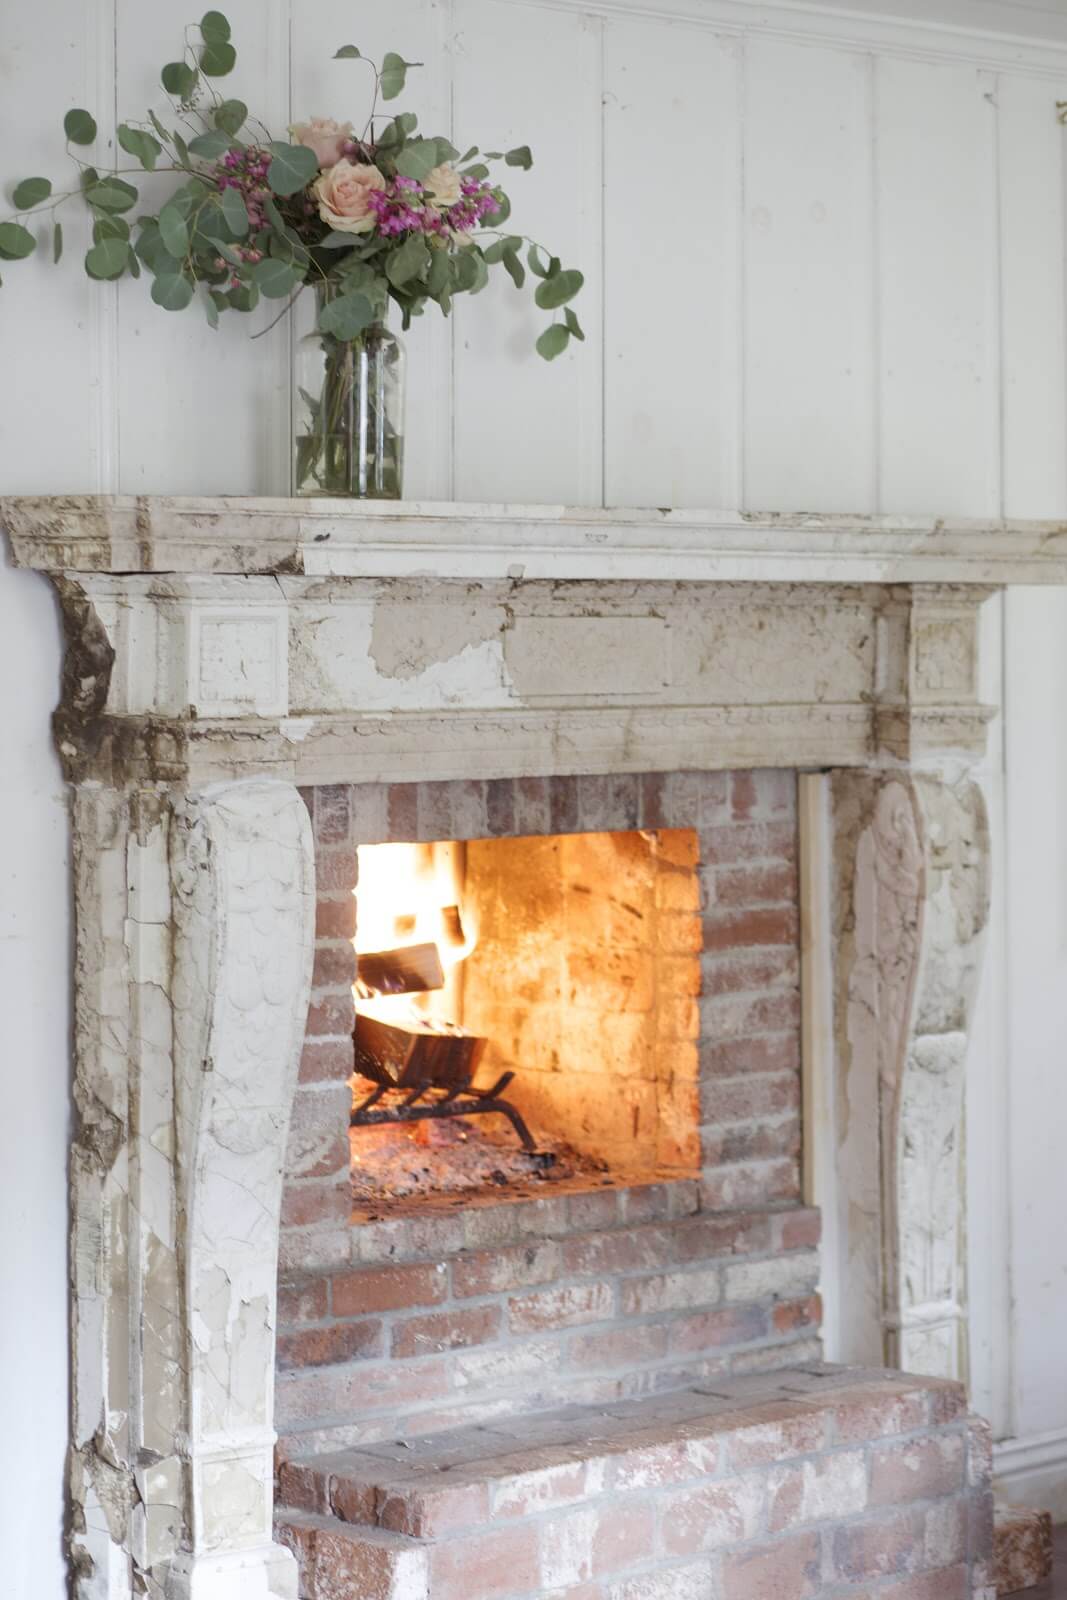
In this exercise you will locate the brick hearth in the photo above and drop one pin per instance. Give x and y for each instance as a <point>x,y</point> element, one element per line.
<point>810,1482</point>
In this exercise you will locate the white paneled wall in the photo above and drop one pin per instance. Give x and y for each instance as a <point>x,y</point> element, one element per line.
<point>824,249</point>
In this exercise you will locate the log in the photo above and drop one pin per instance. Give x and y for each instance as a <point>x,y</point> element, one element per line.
<point>412,1055</point>
<point>411,969</point>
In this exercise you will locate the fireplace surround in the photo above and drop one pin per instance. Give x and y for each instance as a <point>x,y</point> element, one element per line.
<point>222,656</point>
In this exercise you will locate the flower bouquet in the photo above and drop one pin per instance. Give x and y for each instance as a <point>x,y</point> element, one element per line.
<point>383,216</point>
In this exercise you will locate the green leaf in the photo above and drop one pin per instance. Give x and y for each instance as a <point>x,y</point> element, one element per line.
<point>132,262</point>
<point>231,116</point>
<point>107,259</point>
<point>439,277</point>
<point>182,149</point>
<point>347,52</point>
<point>292,167</point>
<point>573,325</point>
<point>479,170</point>
<point>235,212</point>
<point>57,241</point>
<point>469,155</point>
<point>211,310</point>
<point>534,262</point>
<point>336,241</point>
<point>496,251</point>
<point>15,241</point>
<point>245,297</point>
<point>418,158</point>
<point>179,79</point>
<point>141,145</point>
<point>520,157</point>
<point>153,252</point>
<point>31,191</point>
<point>79,127</point>
<point>112,194</point>
<point>160,129</point>
<point>217,58</point>
<point>407,262</point>
<point>553,341</point>
<point>514,269</point>
<point>557,291</point>
<point>174,230</point>
<point>213,25</point>
<point>172,291</point>
<point>275,279</point>
<point>347,316</point>
<point>501,215</point>
<point>210,145</point>
<point>108,226</point>
<point>87,177</point>
<point>394,74</point>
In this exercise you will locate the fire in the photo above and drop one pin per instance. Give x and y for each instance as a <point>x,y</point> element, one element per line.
<point>411,895</point>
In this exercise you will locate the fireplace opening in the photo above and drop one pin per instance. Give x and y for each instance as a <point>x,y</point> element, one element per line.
<point>526,1014</point>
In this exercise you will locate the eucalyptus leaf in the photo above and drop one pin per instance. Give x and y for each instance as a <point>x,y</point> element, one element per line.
<point>235,212</point>
<point>496,251</point>
<point>57,241</point>
<point>179,79</point>
<point>15,241</point>
<point>141,145</point>
<point>439,277</point>
<point>79,127</point>
<point>347,315</point>
<point>172,291</point>
<point>534,262</point>
<point>347,52</point>
<point>553,341</point>
<point>515,269</point>
<point>210,145</point>
<point>174,230</point>
<point>573,325</point>
<point>394,74</point>
<point>245,297</point>
<point>132,263</point>
<point>556,291</point>
<point>108,226</point>
<point>31,191</point>
<point>213,25</point>
<point>520,157</point>
<point>160,129</point>
<point>275,279</point>
<point>112,194</point>
<point>211,310</point>
<point>231,116</point>
<point>479,170</point>
<point>407,262</point>
<point>336,241</point>
<point>293,166</point>
<point>217,58</point>
<point>183,150</point>
<point>108,259</point>
<point>469,155</point>
<point>418,158</point>
<point>503,211</point>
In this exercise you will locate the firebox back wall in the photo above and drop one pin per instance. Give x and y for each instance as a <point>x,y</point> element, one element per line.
<point>745,1096</point>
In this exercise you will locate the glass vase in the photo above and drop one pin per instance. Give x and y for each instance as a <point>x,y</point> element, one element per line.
<point>348,410</point>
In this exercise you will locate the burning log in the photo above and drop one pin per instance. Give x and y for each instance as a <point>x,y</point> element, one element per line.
<point>415,1054</point>
<point>412,969</point>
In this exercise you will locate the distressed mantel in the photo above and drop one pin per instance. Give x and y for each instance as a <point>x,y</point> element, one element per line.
<point>221,652</point>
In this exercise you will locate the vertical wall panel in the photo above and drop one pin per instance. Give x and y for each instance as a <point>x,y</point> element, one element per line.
<point>809,340</point>
<point>417,30</point>
<point>937,264</point>
<point>524,429</point>
<point>671,220</point>
<point>200,410</point>
<point>1031,172</point>
<point>1031,148</point>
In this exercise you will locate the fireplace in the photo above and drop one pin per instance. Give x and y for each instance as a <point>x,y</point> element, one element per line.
<point>674,770</point>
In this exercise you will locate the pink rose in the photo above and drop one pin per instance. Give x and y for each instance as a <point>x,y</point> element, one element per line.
<point>344,194</point>
<point>323,135</point>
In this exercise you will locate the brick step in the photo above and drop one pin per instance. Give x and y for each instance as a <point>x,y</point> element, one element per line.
<point>805,1484</point>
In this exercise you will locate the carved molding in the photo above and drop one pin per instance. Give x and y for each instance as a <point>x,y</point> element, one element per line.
<point>195,932</point>
<point>910,907</point>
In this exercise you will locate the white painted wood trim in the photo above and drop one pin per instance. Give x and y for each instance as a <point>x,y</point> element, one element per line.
<point>998,44</point>
<point>425,540</point>
<point>1032,1471</point>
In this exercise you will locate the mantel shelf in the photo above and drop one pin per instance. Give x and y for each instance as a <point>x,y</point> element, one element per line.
<point>420,539</point>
